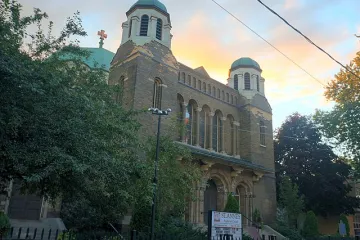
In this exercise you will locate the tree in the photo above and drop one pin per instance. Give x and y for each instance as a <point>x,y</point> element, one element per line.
<point>61,132</point>
<point>341,123</point>
<point>310,228</point>
<point>321,176</point>
<point>290,200</point>
<point>232,205</point>
<point>177,176</point>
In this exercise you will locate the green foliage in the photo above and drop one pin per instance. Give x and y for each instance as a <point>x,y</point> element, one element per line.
<point>4,224</point>
<point>345,220</point>
<point>287,231</point>
<point>341,123</point>
<point>246,237</point>
<point>290,201</point>
<point>177,174</point>
<point>232,205</point>
<point>310,228</point>
<point>171,227</point>
<point>257,216</point>
<point>62,133</point>
<point>312,165</point>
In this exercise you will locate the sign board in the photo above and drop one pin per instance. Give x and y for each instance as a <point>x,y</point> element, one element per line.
<point>342,228</point>
<point>223,225</point>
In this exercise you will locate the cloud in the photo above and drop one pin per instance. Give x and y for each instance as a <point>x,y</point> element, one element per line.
<point>205,35</point>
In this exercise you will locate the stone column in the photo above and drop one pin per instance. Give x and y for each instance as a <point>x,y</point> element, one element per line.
<point>152,27</point>
<point>223,119</point>
<point>211,122</point>
<point>183,137</point>
<point>236,139</point>
<point>198,110</point>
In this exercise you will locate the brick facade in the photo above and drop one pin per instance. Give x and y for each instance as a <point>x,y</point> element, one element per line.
<point>241,164</point>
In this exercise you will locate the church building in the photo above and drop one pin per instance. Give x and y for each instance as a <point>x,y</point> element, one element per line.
<point>228,126</point>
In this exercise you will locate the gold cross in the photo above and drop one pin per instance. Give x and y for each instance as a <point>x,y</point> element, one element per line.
<point>102,34</point>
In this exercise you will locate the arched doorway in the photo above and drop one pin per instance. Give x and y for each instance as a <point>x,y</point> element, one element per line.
<point>241,197</point>
<point>210,199</point>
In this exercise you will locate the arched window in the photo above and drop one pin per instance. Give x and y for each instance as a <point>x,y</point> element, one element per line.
<point>202,128</point>
<point>218,93</point>
<point>204,87</point>
<point>209,89</point>
<point>179,75</point>
<point>247,85</point>
<point>157,94</point>
<point>194,82</point>
<point>262,133</point>
<point>119,90</point>
<point>232,99</point>
<point>183,77</point>
<point>227,97</point>
<point>130,28</point>
<point>144,25</point>
<point>217,132</point>
<point>236,82</point>
<point>159,25</point>
<point>199,85</point>
<point>257,83</point>
<point>191,123</point>
<point>214,92</point>
<point>223,95</point>
<point>189,80</point>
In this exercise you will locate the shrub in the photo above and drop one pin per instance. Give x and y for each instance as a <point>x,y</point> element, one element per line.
<point>310,228</point>
<point>4,224</point>
<point>246,237</point>
<point>257,217</point>
<point>287,231</point>
<point>232,205</point>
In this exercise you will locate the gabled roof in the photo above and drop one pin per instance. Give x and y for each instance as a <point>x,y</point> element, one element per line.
<point>202,71</point>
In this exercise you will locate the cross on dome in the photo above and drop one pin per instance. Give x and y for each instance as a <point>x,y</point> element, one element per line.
<point>103,36</point>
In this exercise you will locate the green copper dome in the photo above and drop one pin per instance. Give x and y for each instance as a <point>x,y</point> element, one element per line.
<point>245,62</point>
<point>150,3</point>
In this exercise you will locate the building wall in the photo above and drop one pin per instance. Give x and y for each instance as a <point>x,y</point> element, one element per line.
<point>143,64</point>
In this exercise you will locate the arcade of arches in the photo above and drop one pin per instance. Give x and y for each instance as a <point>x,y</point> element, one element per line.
<point>217,183</point>
<point>208,129</point>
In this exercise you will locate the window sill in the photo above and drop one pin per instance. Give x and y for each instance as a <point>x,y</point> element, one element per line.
<point>263,146</point>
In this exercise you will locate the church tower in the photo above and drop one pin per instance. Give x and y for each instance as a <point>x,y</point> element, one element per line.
<point>147,20</point>
<point>245,76</point>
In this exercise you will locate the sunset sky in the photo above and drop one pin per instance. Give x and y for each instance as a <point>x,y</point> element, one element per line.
<point>205,35</point>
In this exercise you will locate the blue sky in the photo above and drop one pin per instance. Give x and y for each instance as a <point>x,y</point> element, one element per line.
<point>204,35</point>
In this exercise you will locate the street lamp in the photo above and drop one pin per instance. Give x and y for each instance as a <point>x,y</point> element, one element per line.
<point>160,113</point>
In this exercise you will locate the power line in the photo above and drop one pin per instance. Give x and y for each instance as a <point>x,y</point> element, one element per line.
<point>307,39</point>
<point>236,18</point>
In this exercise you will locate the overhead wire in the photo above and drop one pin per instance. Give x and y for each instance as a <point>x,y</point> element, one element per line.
<point>308,39</point>
<point>291,60</point>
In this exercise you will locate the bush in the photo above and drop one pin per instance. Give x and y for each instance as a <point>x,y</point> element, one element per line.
<point>246,237</point>
<point>257,217</point>
<point>4,224</point>
<point>310,228</point>
<point>288,232</point>
<point>232,205</point>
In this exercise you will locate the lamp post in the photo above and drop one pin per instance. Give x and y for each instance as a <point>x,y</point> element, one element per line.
<point>160,113</point>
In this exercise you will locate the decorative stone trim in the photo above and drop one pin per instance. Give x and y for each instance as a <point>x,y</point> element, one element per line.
<point>223,119</point>
<point>258,176</point>
<point>236,123</point>
<point>199,109</point>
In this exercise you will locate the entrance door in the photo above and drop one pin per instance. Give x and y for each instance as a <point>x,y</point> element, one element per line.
<point>210,199</point>
<point>25,206</point>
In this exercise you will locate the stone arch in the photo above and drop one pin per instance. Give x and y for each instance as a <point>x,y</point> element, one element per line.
<point>244,198</point>
<point>214,200</point>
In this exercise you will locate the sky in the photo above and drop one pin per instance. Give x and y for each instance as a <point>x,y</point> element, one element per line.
<point>205,35</point>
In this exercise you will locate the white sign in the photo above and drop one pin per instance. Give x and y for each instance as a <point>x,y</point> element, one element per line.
<point>225,225</point>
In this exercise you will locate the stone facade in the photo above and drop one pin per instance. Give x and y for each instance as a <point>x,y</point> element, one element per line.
<point>238,164</point>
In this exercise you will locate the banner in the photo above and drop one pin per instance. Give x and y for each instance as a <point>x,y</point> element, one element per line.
<point>223,225</point>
